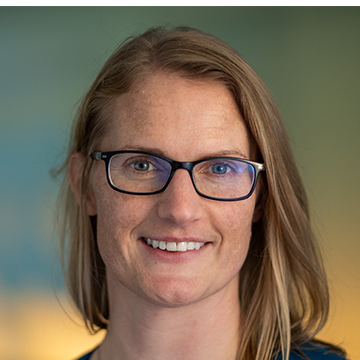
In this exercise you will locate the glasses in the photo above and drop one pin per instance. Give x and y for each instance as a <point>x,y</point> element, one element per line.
<point>143,173</point>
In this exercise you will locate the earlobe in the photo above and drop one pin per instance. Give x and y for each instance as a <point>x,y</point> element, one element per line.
<point>76,168</point>
<point>259,209</point>
<point>258,212</point>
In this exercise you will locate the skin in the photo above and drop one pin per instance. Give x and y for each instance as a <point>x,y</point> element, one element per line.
<point>172,305</point>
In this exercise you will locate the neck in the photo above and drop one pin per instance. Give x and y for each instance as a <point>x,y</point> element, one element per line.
<point>207,329</point>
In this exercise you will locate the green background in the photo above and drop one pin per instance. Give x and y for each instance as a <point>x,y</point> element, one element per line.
<point>308,57</point>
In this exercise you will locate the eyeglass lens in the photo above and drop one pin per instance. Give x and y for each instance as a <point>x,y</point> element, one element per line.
<point>219,178</point>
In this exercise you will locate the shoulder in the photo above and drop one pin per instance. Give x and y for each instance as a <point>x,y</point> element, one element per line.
<point>86,356</point>
<point>314,352</point>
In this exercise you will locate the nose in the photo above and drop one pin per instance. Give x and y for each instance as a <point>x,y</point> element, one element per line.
<point>179,203</point>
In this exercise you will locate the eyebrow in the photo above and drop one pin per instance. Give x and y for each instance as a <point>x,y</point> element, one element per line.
<point>221,153</point>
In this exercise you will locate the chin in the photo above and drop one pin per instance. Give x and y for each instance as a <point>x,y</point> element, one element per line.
<point>174,294</point>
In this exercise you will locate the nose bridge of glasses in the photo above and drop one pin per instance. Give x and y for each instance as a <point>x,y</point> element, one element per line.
<point>176,165</point>
<point>182,165</point>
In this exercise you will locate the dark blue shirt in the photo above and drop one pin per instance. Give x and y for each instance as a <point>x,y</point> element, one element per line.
<point>313,352</point>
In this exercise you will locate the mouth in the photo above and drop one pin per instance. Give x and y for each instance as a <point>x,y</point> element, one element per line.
<point>174,246</point>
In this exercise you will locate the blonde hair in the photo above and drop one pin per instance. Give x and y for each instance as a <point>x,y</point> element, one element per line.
<point>283,289</point>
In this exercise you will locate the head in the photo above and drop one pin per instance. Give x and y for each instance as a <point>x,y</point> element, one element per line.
<point>282,288</point>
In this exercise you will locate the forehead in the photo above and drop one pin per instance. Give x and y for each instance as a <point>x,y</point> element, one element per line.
<point>175,113</point>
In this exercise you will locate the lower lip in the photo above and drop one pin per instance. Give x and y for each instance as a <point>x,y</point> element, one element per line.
<point>174,256</point>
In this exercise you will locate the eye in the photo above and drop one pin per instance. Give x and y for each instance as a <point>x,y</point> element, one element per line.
<point>142,165</point>
<point>220,169</point>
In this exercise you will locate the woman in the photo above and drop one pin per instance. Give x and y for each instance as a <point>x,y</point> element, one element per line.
<point>188,226</point>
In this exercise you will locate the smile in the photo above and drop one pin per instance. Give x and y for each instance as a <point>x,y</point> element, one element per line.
<point>174,246</point>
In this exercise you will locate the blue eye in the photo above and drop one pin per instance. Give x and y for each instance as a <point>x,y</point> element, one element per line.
<point>142,166</point>
<point>220,169</point>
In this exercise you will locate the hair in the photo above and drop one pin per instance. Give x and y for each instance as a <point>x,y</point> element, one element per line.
<point>283,292</point>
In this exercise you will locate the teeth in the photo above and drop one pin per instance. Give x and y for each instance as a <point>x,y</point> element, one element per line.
<point>181,246</point>
<point>173,246</point>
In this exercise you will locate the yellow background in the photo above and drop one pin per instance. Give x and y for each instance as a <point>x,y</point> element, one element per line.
<point>308,57</point>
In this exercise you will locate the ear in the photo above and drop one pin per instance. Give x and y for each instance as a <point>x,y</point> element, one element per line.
<point>259,208</point>
<point>258,211</point>
<point>76,168</point>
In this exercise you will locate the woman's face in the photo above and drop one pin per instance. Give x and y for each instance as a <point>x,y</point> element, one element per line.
<point>185,121</point>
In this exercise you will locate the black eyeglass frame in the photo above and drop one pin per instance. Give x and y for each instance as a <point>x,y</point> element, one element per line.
<point>175,165</point>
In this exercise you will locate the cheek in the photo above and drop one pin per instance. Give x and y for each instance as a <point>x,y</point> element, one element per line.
<point>118,213</point>
<point>117,217</point>
<point>237,218</point>
<point>236,233</point>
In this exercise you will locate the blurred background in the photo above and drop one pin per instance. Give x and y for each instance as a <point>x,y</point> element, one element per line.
<point>308,57</point>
